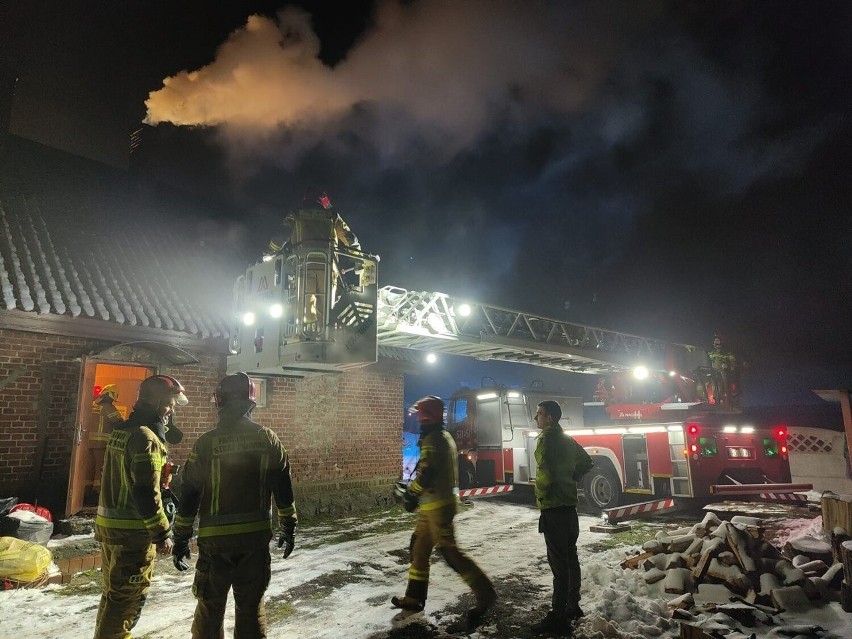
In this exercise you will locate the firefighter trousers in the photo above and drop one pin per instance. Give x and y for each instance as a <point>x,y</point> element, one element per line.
<point>434,529</point>
<point>561,528</point>
<point>247,571</point>
<point>127,570</point>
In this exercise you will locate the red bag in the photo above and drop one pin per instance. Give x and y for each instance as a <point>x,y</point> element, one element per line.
<point>41,511</point>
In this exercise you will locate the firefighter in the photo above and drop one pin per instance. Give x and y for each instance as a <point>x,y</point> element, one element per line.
<point>561,463</point>
<point>435,490</point>
<point>131,523</point>
<point>109,416</point>
<point>723,366</point>
<point>228,481</point>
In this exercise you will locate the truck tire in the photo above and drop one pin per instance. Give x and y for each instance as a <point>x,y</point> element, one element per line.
<point>603,490</point>
<point>467,474</point>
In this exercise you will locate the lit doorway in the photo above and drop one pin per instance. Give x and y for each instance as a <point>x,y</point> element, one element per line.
<point>91,434</point>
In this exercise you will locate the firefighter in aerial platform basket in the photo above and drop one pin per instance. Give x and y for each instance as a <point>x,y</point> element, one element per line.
<point>131,523</point>
<point>435,490</point>
<point>723,367</point>
<point>318,225</point>
<point>229,480</point>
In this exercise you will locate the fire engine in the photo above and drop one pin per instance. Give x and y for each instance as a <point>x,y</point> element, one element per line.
<point>694,451</point>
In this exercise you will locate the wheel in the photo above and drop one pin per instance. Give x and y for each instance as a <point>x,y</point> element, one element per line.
<point>467,474</point>
<point>603,490</point>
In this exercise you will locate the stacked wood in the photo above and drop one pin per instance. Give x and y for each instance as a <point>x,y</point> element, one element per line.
<point>728,567</point>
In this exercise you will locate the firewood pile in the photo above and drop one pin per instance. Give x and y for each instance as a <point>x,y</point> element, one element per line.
<point>728,570</point>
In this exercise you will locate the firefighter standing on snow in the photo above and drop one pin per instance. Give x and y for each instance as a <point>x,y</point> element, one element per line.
<point>434,488</point>
<point>561,463</point>
<point>131,523</point>
<point>228,481</point>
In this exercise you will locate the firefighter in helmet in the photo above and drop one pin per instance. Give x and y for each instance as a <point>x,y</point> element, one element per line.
<point>131,523</point>
<point>435,490</point>
<point>723,371</point>
<point>109,416</point>
<point>228,481</point>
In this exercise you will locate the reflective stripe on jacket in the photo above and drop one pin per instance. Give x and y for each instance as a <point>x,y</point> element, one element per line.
<point>437,478</point>
<point>130,505</point>
<point>561,463</point>
<point>229,480</point>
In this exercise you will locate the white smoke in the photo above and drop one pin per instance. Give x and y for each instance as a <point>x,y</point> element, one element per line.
<point>435,71</point>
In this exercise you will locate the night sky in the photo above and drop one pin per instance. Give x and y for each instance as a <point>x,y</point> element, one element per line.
<point>671,169</point>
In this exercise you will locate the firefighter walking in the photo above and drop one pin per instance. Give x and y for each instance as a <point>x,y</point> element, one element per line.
<point>131,524</point>
<point>434,489</point>
<point>228,481</point>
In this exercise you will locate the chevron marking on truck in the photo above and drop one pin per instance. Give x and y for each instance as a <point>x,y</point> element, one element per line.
<point>784,497</point>
<point>491,490</point>
<point>614,514</point>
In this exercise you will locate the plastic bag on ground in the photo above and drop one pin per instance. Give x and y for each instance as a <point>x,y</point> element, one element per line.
<point>21,560</point>
<point>27,525</point>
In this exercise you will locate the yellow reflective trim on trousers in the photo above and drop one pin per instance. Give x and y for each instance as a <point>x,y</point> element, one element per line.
<point>290,511</point>
<point>234,529</point>
<point>432,505</point>
<point>215,485</point>
<point>126,524</point>
<point>184,522</point>
<point>418,575</point>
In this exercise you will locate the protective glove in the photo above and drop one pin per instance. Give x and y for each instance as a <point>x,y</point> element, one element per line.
<point>179,553</point>
<point>410,502</point>
<point>287,539</point>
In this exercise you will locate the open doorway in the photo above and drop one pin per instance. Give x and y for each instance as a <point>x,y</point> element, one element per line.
<point>92,434</point>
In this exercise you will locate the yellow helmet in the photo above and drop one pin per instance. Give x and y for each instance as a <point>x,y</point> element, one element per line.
<point>110,390</point>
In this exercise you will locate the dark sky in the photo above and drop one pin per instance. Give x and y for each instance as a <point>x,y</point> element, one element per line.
<point>672,169</point>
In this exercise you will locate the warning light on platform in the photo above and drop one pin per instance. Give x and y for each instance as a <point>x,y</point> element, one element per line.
<point>640,372</point>
<point>692,429</point>
<point>781,433</point>
<point>464,310</point>
<point>248,318</point>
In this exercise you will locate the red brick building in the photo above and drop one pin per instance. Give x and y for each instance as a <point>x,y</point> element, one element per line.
<point>104,279</point>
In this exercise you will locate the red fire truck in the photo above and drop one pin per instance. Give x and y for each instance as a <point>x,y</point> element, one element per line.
<point>644,451</point>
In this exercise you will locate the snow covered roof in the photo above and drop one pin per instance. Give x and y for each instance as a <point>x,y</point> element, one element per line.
<point>82,239</point>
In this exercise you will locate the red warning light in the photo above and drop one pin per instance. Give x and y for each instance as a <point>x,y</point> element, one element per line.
<point>694,448</point>
<point>780,432</point>
<point>783,450</point>
<point>96,391</point>
<point>692,429</point>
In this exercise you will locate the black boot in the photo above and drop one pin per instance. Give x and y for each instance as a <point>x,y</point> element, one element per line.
<point>414,598</point>
<point>553,624</point>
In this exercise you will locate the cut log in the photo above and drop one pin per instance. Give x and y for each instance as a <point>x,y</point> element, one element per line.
<point>836,513</point>
<point>791,599</point>
<point>635,561</point>
<point>654,575</point>
<point>809,546</point>
<point>739,542</point>
<point>657,560</point>
<point>733,576</point>
<point>680,544</point>
<point>678,581</point>
<point>675,560</point>
<point>846,560</point>
<point>684,602</point>
<point>790,575</point>
<point>769,581</point>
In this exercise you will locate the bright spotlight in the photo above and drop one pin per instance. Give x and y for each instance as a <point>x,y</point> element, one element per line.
<point>464,310</point>
<point>276,310</point>
<point>248,318</point>
<point>640,372</point>
<point>431,358</point>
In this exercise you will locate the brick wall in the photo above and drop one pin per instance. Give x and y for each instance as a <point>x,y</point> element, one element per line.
<point>343,432</point>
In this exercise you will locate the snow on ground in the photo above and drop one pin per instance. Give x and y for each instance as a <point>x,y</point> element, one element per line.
<point>339,580</point>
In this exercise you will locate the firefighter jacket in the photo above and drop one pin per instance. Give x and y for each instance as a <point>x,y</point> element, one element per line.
<point>228,481</point>
<point>130,506</point>
<point>562,462</point>
<point>437,478</point>
<point>109,417</point>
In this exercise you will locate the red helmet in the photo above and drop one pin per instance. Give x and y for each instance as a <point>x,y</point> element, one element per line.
<point>235,388</point>
<point>429,409</point>
<point>157,389</point>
